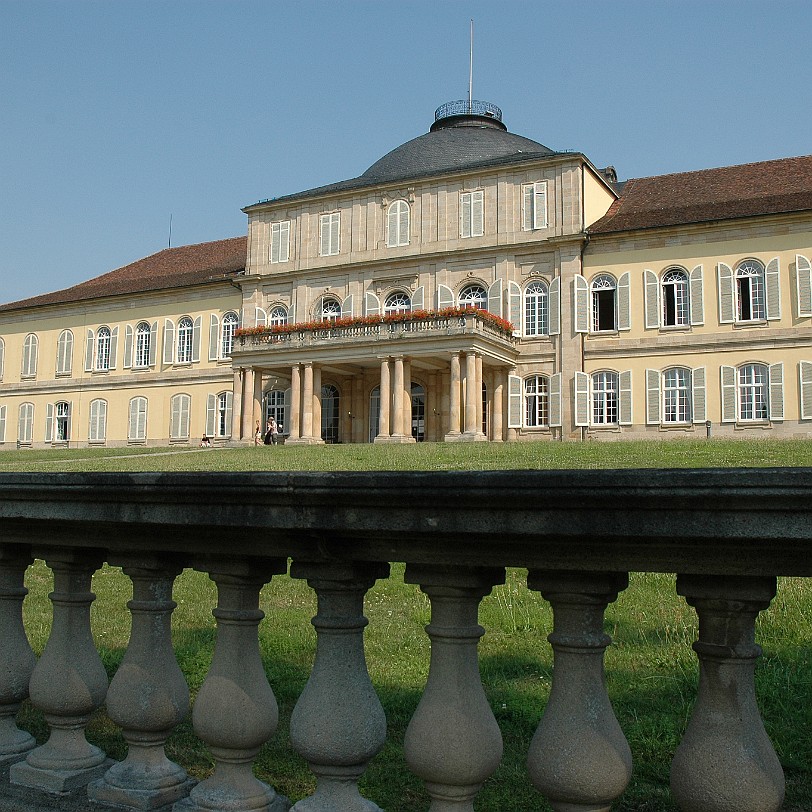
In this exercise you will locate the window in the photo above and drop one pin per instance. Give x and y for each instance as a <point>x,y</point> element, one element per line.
<point>2,357</point>
<point>397,224</point>
<point>675,298</point>
<point>103,349</point>
<point>224,414</point>
<point>329,227</point>
<point>473,296</point>
<point>64,353</point>
<point>179,408</point>
<point>753,382</point>
<point>137,424</point>
<point>278,316</point>
<point>330,309</point>
<point>276,408</point>
<point>472,214</point>
<point>604,398</point>
<point>677,395</point>
<point>30,348</point>
<point>397,302</point>
<point>280,241</point>
<point>3,410</point>
<point>97,428</point>
<point>750,295</point>
<point>25,423</point>
<point>62,422</point>
<point>230,322</point>
<point>536,309</point>
<point>536,401</point>
<point>534,205</point>
<point>330,414</point>
<point>143,345</point>
<point>604,304</point>
<point>185,331</point>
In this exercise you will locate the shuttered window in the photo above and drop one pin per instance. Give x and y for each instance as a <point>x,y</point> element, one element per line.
<point>536,309</point>
<point>143,345</point>
<point>179,408</point>
<point>278,316</point>
<point>25,423</point>
<point>280,241</point>
<point>473,296</point>
<point>397,224</point>
<point>534,205</point>
<point>675,298</point>
<point>536,401</point>
<point>604,398</point>
<point>753,392</point>
<point>230,322</point>
<point>64,353</point>
<point>472,214</point>
<point>97,426</point>
<point>397,302</point>
<point>30,350</point>
<point>137,422</point>
<point>604,304</point>
<point>751,303</point>
<point>677,395</point>
<point>103,349</point>
<point>185,334</point>
<point>329,233</point>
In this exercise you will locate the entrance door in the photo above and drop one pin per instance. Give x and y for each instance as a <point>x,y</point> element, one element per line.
<point>418,412</point>
<point>329,414</point>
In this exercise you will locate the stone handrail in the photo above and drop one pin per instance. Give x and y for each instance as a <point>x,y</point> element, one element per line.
<point>727,533</point>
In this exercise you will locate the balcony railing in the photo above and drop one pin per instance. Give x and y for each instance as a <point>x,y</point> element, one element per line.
<point>727,534</point>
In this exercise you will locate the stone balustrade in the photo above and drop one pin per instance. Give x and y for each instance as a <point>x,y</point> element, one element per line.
<point>727,533</point>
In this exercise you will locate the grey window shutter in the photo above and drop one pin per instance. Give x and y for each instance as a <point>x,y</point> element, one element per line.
<point>2,357</point>
<point>624,309</point>
<point>554,300</point>
<point>772,286</point>
<point>495,298</point>
<point>261,318</point>
<point>477,214</point>
<point>581,399</point>
<point>803,286</point>
<point>214,337</point>
<point>776,391</point>
<point>527,207</point>
<point>580,304</point>
<point>514,310</point>
<point>405,213</point>
<point>625,404</point>
<point>698,396</point>
<point>805,375</point>
<point>324,223</point>
<point>445,297</point>
<point>70,420</point>
<point>169,341</point>
<point>335,233</point>
<point>89,349</point>
<point>728,377</point>
<point>229,402</point>
<point>418,298</point>
<point>2,424</point>
<point>211,415</point>
<point>113,348</point>
<point>153,343</point>
<point>346,308</point>
<point>284,241</point>
<point>174,418</point>
<point>372,304</point>
<point>128,346</point>
<point>185,409</point>
<point>651,294</point>
<point>653,396</point>
<point>555,400</point>
<point>49,422</point>
<point>515,385</point>
<point>196,328</point>
<point>724,275</point>
<point>465,214</point>
<point>697,297</point>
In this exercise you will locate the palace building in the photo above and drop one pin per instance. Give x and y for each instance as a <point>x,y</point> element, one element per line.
<point>471,285</point>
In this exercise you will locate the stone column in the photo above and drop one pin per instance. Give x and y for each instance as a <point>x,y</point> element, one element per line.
<point>471,394</point>
<point>386,398</point>
<point>579,758</point>
<point>235,712</point>
<point>454,398</point>
<point>397,389</point>
<point>307,402</point>
<point>247,427</point>
<point>432,407</point>
<point>148,695</point>
<point>453,741</point>
<point>725,760</point>
<point>256,404</point>
<point>18,659</point>
<point>407,398</point>
<point>236,406</point>
<point>317,401</point>
<point>497,418</point>
<point>479,383</point>
<point>295,402</point>
<point>338,724</point>
<point>359,408</point>
<point>68,683</point>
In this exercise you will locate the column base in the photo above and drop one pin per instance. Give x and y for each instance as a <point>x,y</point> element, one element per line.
<point>304,441</point>
<point>467,437</point>
<point>16,747</point>
<point>56,781</point>
<point>264,799</point>
<point>394,439</point>
<point>143,800</point>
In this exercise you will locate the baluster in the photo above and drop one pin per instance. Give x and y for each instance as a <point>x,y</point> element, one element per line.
<point>18,659</point>
<point>68,683</point>
<point>453,741</point>
<point>579,758</point>
<point>726,760</point>
<point>148,695</point>
<point>338,724</point>
<point>235,712</point>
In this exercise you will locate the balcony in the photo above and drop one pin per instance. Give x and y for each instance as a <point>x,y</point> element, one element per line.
<point>727,533</point>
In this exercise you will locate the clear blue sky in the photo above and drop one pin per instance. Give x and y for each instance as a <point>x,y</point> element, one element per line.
<point>115,114</point>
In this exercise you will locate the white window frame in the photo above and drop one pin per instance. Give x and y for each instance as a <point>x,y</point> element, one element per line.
<point>472,214</point>
<point>397,302</point>
<point>675,291</point>
<point>604,398</point>
<point>398,223</point>
<point>466,297</point>
<point>185,340</point>
<point>280,241</point>
<point>228,325</point>
<point>143,345</point>
<point>329,309</point>
<point>753,393</point>
<point>751,303</point>
<point>62,421</point>
<point>277,316</point>
<point>676,396</point>
<point>330,234</point>
<point>598,302</point>
<point>537,308</point>
<point>224,414</point>
<point>103,341</point>
<point>534,205</point>
<point>536,402</point>
<point>276,407</point>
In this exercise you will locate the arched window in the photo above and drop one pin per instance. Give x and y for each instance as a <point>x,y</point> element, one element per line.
<point>330,413</point>
<point>278,316</point>
<point>62,422</point>
<point>137,423</point>
<point>536,309</point>
<point>143,342</point>
<point>675,298</point>
<point>103,348</point>
<point>536,401</point>
<point>750,297</point>
<point>473,296</point>
<point>397,224</point>
<point>604,398</point>
<point>30,348</point>
<point>397,302</point>
<point>677,395</point>
<point>329,309</point>
<point>25,423</point>
<point>230,322</point>
<point>64,353</point>
<point>185,329</point>
<point>179,409</point>
<point>275,407</point>
<point>604,303</point>
<point>97,427</point>
<point>753,391</point>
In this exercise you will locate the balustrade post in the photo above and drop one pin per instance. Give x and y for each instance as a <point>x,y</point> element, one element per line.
<point>579,758</point>
<point>68,682</point>
<point>148,695</point>
<point>726,760</point>
<point>18,659</point>
<point>338,724</point>
<point>235,712</point>
<point>453,741</point>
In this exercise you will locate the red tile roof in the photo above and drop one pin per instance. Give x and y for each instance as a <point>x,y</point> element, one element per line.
<point>170,268</point>
<point>730,192</point>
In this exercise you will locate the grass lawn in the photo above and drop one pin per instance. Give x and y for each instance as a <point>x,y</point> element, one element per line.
<point>651,669</point>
